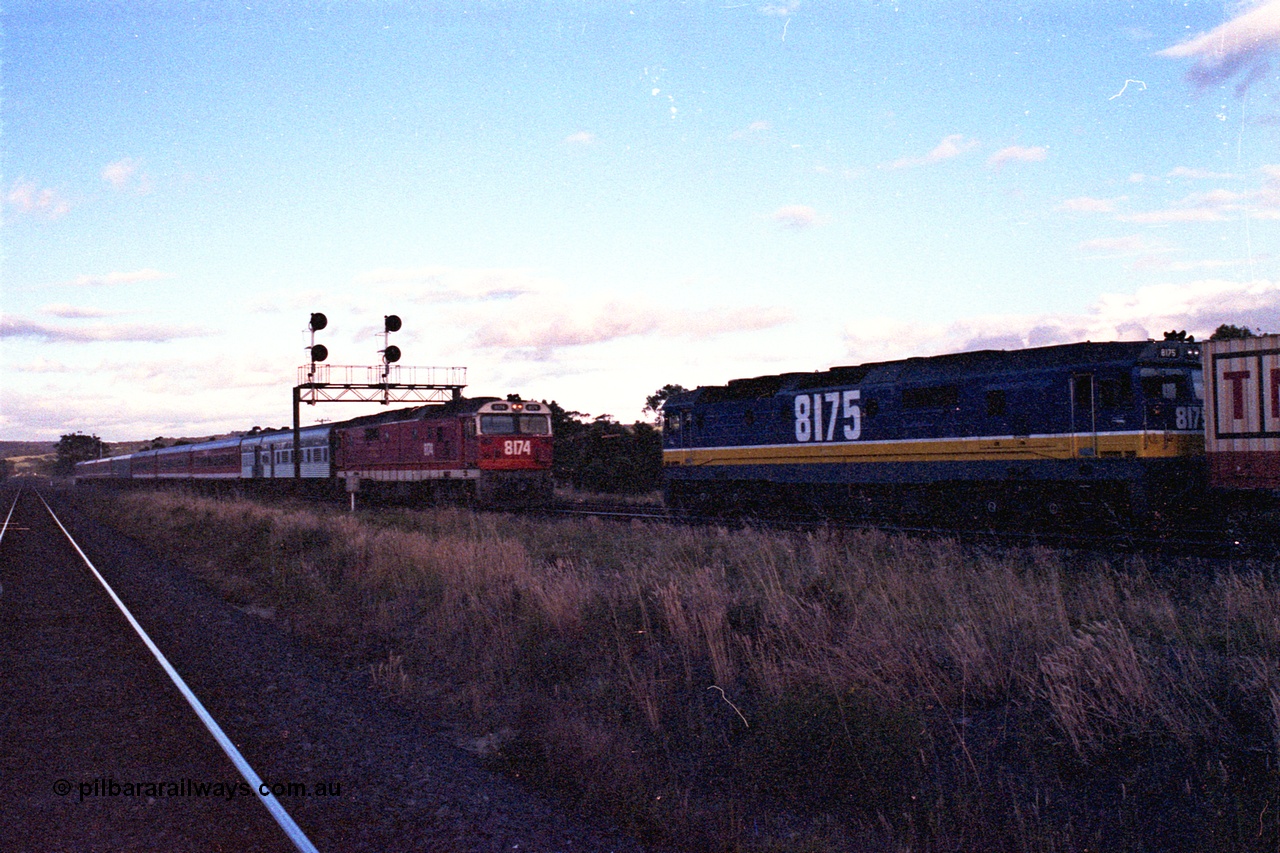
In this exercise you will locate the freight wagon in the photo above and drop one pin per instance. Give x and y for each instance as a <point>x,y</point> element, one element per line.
<point>1242,441</point>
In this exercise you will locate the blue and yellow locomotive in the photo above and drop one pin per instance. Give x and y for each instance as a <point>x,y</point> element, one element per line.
<point>1113,427</point>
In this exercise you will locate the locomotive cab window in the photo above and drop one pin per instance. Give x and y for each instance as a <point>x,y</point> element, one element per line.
<point>535,425</point>
<point>1169,386</point>
<point>497,424</point>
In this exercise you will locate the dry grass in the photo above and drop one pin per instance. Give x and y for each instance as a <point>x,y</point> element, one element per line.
<point>753,690</point>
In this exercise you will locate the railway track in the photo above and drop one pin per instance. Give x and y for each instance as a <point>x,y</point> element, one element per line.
<point>101,750</point>
<point>1111,536</point>
<point>99,745</point>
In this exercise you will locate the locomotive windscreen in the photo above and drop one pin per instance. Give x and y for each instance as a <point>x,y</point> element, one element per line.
<point>515,424</point>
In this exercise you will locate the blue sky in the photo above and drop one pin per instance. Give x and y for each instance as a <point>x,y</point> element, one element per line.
<point>585,201</point>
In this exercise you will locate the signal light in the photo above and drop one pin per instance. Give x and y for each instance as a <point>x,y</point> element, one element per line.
<point>319,352</point>
<point>318,322</point>
<point>391,354</point>
<point>391,323</point>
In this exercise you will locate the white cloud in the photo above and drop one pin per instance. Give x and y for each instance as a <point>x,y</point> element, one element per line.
<point>115,278</point>
<point>454,284</point>
<point>949,148</point>
<point>1198,307</point>
<point>796,217</point>
<point>74,312</point>
<point>1018,154</point>
<point>1132,244</point>
<point>18,327</point>
<point>1185,214</point>
<point>582,137</point>
<point>1240,44</point>
<point>755,129</point>
<point>25,196</point>
<point>1199,174</point>
<point>781,10</point>
<point>1084,204</point>
<point>125,175</point>
<point>539,328</point>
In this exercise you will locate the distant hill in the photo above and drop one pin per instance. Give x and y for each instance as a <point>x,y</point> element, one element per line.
<point>9,449</point>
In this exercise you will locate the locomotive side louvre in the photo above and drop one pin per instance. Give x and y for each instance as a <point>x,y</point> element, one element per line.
<point>1242,423</point>
<point>1126,414</point>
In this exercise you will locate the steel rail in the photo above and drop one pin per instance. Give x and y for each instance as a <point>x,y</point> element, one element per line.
<point>291,829</point>
<point>5,527</point>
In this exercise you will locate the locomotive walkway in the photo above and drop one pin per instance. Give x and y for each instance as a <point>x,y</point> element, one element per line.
<point>100,752</point>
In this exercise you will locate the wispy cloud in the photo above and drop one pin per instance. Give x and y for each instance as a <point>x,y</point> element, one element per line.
<point>1198,307</point>
<point>755,129</point>
<point>126,175</point>
<point>780,10</point>
<point>1017,154</point>
<point>74,312</point>
<point>795,217</point>
<point>949,148</point>
<point>582,137</point>
<point>113,279</point>
<point>19,327</point>
<point>453,284</point>
<point>27,197</point>
<point>1184,214</point>
<point>1156,262</point>
<point>1132,244</point>
<point>536,330</point>
<point>1199,174</point>
<point>1084,204</point>
<point>1239,45</point>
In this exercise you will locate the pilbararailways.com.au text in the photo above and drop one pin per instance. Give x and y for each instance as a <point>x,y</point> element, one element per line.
<point>108,786</point>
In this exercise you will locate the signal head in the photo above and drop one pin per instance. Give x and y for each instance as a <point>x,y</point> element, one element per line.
<point>319,352</point>
<point>391,354</point>
<point>392,323</point>
<point>318,321</point>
